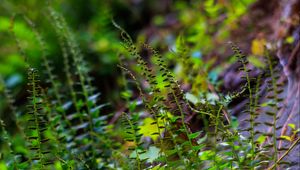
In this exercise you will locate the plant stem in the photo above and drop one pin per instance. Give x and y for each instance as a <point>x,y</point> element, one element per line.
<point>285,153</point>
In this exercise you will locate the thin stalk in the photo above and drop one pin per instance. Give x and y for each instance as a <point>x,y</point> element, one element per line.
<point>285,153</point>
<point>35,111</point>
<point>216,132</point>
<point>135,141</point>
<point>275,115</point>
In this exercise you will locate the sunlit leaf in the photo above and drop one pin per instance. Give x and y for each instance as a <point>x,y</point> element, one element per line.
<point>206,155</point>
<point>290,39</point>
<point>291,125</point>
<point>286,138</point>
<point>258,46</point>
<point>3,166</point>
<point>150,129</point>
<point>261,139</point>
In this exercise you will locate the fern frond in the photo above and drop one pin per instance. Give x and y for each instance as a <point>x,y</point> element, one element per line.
<point>49,69</point>
<point>275,97</point>
<point>37,124</point>
<point>134,136</point>
<point>7,139</point>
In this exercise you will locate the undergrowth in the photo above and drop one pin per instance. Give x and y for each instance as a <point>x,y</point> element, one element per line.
<point>64,128</point>
<point>220,144</point>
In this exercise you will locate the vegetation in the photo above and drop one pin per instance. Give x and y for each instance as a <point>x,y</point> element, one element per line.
<point>169,112</point>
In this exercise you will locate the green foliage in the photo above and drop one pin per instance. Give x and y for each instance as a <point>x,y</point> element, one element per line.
<point>64,126</point>
<point>222,145</point>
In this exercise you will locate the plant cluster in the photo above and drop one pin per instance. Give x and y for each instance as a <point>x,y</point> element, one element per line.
<point>220,144</point>
<point>64,127</point>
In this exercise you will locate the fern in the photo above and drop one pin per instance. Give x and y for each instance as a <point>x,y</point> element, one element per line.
<point>39,143</point>
<point>135,137</point>
<point>241,152</point>
<point>85,139</point>
<point>174,99</point>
<point>11,155</point>
<point>48,68</point>
<point>65,127</point>
<point>261,156</point>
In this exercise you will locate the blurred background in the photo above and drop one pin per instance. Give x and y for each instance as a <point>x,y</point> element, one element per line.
<point>205,24</point>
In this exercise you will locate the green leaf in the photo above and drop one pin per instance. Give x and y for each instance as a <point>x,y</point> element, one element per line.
<point>80,104</point>
<point>194,135</point>
<point>198,147</point>
<point>234,122</point>
<point>150,129</point>
<point>290,39</point>
<point>291,125</point>
<point>170,152</point>
<point>152,153</point>
<point>132,106</point>
<point>126,94</point>
<point>206,155</point>
<point>261,139</point>
<point>157,167</point>
<point>174,118</point>
<point>3,166</point>
<point>286,138</point>
<point>58,165</point>
<point>256,61</point>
